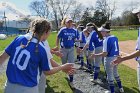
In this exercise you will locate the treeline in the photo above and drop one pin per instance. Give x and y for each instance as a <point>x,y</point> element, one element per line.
<point>99,13</point>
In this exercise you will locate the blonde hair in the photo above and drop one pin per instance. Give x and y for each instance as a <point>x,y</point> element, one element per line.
<point>63,22</point>
<point>38,26</point>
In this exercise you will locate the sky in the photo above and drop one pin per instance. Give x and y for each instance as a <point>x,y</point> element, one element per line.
<point>23,5</point>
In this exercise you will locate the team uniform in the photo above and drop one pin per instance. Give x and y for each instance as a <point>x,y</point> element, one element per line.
<point>82,39</point>
<point>42,80</point>
<point>138,58</point>
<point>110,45</point>
<point>90,50</point>
<point>98,47</point>
<point>67,38</point>
<point>77,43</point>
<point>25,65</point>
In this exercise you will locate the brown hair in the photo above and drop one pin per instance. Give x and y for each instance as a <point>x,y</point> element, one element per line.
<point>38,26</point>
<point>93,26</point>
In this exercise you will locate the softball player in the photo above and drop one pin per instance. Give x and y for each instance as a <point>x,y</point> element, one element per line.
<point>86,47</point>
<point>67,36</point>
<point>96,40</point>
<point>110,52</point>
<point>42,81</point>
<point>83,37</point>
<point>28,58</point>
<point>76,43</point>
<point>135,53</point>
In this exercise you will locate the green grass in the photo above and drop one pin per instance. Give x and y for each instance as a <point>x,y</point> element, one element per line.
<point>57,83</point>
<point>4,43</point>
<point>124,35</point>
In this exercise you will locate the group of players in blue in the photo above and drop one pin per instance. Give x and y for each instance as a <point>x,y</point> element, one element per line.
<point>30,56</point>
<point>99,46</point>
<point>96,43</point>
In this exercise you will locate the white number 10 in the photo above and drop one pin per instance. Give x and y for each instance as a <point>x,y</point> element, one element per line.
<point>19,57</point>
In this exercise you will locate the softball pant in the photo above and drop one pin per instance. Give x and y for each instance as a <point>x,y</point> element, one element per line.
<point>97,61</point>
<point>68,57</point>
<point>17,88</point>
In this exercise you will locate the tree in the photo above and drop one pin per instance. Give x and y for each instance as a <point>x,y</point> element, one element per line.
<point>53,5</point>
<point>86,17</point>
<point>128,18</point>
<point>99,18</point>
<point>76,12</point>
<point>40,8</point>
<point>64,7</point>
<point>107,7</point>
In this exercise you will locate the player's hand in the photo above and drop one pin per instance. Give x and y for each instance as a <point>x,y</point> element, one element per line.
<point>81,50</point>
<point>92,55</point>
<point>68,68</point>
<point>55,48</point>
<point>58,53</point>
<point>116,61</point>
<point>78,50</point>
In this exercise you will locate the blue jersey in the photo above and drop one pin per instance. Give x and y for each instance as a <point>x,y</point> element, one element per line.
<point>110,45</point>
<point>25,64</point>
<point>82,37</point>
<point>95,40</point>
<point>77,34</point>
<point>67,37</point>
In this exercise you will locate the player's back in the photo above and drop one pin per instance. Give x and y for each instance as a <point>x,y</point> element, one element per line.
<point>111,46</point>
<point>24,63</point>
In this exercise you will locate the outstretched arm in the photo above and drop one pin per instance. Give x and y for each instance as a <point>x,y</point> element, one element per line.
<point>68,66</point>
<point>127,57</point>
<point>103,54</point>
<point>57,45</point>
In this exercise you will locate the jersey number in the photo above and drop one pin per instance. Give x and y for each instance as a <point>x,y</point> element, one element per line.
<point>98,38</point>
<point>116,48</point>
<point>19,57</point>
<point>69,37</point>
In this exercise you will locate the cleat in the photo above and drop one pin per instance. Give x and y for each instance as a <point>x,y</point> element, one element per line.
<point>121,90</point>
<point>81,67</point>
<point>72,85</point>
<point>94,81</point>
<point>107,91</point>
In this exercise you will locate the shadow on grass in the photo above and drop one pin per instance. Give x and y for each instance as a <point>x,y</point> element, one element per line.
<point>102,76</point>
<point>51,89</point>
<point>128,90</point>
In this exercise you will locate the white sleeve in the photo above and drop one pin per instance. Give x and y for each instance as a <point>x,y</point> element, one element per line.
<point>48,49</point>
<point>80,36</point>
<point>138,45</point>
<point>138,41</point>
<point>89,37</point>
<point>105,45</point>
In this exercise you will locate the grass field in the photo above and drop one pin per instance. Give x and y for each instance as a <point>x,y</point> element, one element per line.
<point>124,35</point>
<point>57,82</point>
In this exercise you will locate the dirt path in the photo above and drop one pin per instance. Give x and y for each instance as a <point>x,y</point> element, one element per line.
<point>127,47</point>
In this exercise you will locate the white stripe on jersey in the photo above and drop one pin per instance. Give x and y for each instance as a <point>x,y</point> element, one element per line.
<point>89,37</point>
<point>38,75</point>
<point>138,41</point>
<point>45,46</point>
<point>105,43</point>
<point>138,44</point>
<point>48,56</point>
